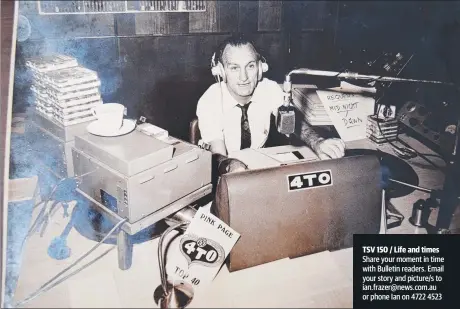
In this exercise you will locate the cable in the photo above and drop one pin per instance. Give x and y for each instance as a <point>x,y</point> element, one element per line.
<point>217,79</point>
<point>48,198</point>
<point>421,155</point>
<point>408,152</point>
<point>41,213</point>
<point>405,153</point>
<point>42,289</point>
<point>433,155</point>
<point>45,202</point>
<point>412,186</point>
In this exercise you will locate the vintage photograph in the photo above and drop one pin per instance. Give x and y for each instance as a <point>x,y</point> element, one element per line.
<point>226,154</point>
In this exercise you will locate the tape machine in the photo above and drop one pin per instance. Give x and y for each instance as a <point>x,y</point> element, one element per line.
<point>430,126</point>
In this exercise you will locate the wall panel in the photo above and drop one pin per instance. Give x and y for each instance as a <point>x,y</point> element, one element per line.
<point>269,15</point>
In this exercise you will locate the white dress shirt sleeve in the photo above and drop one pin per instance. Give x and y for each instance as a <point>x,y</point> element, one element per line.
<point>209,113</point>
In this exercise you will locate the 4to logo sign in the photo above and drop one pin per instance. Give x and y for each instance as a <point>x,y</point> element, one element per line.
<point>310,180</point>
<point>201,251</point>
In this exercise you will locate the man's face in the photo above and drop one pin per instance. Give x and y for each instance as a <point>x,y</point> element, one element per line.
<point>241,67</point>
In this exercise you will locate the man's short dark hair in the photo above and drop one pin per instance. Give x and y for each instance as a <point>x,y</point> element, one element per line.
<point>235,40</point>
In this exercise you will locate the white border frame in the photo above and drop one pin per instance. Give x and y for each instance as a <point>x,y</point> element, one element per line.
<point>6,157</point>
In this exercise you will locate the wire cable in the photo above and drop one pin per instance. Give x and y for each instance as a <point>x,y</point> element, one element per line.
<point>45,202</point>
<point>406,152</point>
<point>44,286</point>
<point>46,289</point>
<point>427,190</point>
<point>40,215</point>
<point>400,152</point>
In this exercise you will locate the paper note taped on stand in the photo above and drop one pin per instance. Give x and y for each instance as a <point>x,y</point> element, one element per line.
<point>197,256</point>
<point>348,112</point>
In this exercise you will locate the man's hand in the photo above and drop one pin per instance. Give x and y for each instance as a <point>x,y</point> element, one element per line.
<point>231,165</point>
<point>225,164</point>
<point>332,148</point>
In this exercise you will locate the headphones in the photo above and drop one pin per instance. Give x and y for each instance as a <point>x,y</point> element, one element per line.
<point>217,68</point>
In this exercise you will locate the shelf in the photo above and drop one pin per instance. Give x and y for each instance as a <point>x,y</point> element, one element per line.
<point>113,7</point>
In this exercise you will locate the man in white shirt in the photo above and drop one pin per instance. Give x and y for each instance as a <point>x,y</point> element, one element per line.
<point>235,113</point>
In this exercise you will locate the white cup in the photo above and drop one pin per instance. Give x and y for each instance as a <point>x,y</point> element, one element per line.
<point>110,115</point>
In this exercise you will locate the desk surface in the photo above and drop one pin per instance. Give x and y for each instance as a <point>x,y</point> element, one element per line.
<point>319,280</point>
<point>275,156</point>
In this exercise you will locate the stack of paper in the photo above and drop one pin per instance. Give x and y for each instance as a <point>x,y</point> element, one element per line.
<point>309,104</point>
<point>64,90</point>
<point>313,106</point>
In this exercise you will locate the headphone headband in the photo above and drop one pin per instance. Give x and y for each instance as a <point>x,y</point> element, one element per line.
<point>217,67</point>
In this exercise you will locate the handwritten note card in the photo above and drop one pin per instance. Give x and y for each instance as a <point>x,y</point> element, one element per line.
<point>348,112</point>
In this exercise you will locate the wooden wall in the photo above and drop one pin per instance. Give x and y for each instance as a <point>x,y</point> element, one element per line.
<point>312,26</point>
<point>157,64</point>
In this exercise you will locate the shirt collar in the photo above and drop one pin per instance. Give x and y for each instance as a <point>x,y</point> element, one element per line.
<point>230,102</point>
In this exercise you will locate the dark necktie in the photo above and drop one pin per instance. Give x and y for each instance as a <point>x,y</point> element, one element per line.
<point>245,130</point>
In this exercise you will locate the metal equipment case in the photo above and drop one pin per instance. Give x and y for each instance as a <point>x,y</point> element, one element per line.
<point>136,175</point>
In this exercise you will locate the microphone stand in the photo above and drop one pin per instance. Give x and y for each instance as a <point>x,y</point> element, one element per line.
<point>357,76</point>
<point>449,193</point>
<point>169,294</point>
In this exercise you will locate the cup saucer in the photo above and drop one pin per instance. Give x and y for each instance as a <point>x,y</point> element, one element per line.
<point>97,128</point>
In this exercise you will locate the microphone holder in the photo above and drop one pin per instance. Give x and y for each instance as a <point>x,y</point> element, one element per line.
<point>172,295</point>
<point>357,76</point>
<point>449,193</point>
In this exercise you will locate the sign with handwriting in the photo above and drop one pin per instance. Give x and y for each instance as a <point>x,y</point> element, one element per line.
<point>197,256</point>
<point>348,112</point>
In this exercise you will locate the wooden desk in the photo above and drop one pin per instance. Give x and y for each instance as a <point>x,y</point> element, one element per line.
<point>320,280</point>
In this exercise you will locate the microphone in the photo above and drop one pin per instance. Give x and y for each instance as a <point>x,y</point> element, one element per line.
<point>285,120</point>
